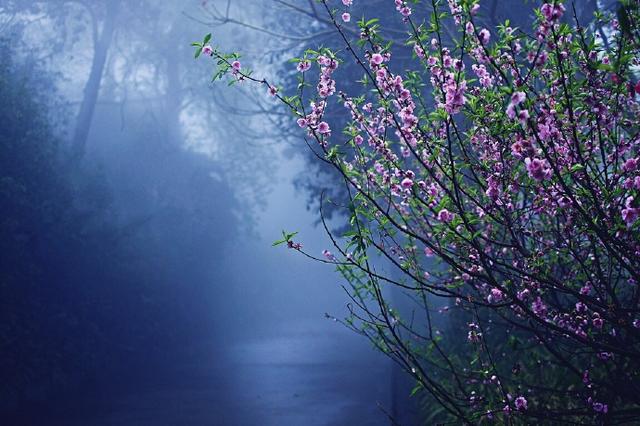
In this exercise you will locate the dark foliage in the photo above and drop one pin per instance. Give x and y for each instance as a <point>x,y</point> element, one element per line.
<point>101,272</point>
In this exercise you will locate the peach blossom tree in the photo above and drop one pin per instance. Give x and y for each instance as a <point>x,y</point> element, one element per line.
<point>500,179</point>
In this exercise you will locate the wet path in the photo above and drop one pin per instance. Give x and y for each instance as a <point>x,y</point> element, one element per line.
<point>279,362</point>
<point>312,374</point>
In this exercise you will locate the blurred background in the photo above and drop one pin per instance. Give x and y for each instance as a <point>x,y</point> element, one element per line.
<point>139,203</point>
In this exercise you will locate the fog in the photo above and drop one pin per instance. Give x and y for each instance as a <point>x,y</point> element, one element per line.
<point>140,284</point>
<point>139,205</point>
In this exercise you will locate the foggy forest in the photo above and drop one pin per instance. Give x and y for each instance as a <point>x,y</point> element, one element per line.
<point>319,212</point>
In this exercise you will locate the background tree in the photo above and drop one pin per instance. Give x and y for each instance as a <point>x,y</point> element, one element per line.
<point>110,268</point>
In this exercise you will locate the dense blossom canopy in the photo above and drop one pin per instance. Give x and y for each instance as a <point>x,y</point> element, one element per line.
<point>519,172</point>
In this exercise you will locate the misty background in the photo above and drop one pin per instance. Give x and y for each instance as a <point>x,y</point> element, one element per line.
<point>139,204</point>
<point>139,285</point>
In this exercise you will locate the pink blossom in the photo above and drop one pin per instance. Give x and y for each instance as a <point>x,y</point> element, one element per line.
<point>483,36</point>
<point>629,213</point>
<point>324,60</point>
<point>552,12</point>
<point>518,97</point>
<point>545,131</point>
<point>493,192</point>
<point>376,59</point>
<point>207,50</point>
<point>542,58</point>
<point>485,79</point>
<point>599,407</point>
<point>598,322</point>
<point>523,116</point>
<point>401,6</point>
<point>419,51</point>
<point>303,66</point>
<point>328,255</point>
<point>406,183</point>
<point>323,128</point>
<point>346,17</point>
<point>538,307</point>
<point>495,296</point>
<point>347,2</point>
<point>294,245</point>
<point>521,403</point>
<point>468,28</point>
<point>445,215</point>
<point>630,165</point>
<point>474,334</point>
<point>538,169</point>
<point>454,97</point>
<point>604,356</point>
<point>523,294</point>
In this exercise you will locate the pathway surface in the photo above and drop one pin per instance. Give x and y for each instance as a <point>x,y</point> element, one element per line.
<point>293,367</point>
<point>311,374</point>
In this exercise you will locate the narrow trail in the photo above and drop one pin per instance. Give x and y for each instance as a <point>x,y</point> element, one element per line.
<point>315,373</point>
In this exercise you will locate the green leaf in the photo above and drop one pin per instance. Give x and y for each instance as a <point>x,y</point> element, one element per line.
<point>416,389</point>
<point>371,22</point>
<point>286,237</point>
<point>290,235</point>
<point>577,168</point>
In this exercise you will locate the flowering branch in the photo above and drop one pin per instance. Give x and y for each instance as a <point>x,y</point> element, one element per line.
<point>521,177</point>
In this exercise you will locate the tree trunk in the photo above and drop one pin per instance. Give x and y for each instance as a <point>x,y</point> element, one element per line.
<point>174,94</point>
<point>92,88</point>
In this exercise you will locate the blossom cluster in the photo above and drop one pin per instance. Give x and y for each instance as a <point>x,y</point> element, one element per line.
<point>520,171</point>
